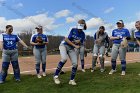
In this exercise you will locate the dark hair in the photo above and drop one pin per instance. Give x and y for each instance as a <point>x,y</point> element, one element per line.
<point>102,27</point>
<point>81,21</point>
<point>138,22</point>
<point>7,26</point>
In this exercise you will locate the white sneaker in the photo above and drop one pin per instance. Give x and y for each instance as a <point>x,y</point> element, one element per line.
<point>56,80</point>
<point>1,82</point>
<point>112,71</point>
<point>44,74</point>
<point>72,82</point>
<point>92,70</point>
<point>83,70</point>
<point>123,73</point>
<point>39,76</point>
<point>102,70</point>
<point>139,74</point>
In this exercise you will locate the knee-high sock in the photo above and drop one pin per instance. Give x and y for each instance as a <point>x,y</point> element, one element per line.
<point>37,68</point>
<point>102,62</point>
<point>3,74</point>
<point>59,67</point>
<point>82,64</point>
<point>16,69</point>
<point>73,73</point>
<point>44,67</point>
<point>123,62</point>
<point>94,60</point>
<point>113,64</point>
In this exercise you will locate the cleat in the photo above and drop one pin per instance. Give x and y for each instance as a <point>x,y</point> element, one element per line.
<point>83,70</point>
<point>44,74</point>
<point>72,82</point>
<point>112,71</point>
<point>123,73</point>
<point>102,70</point>
<point>56,80</point>
<point>92,70</point>
<point>39,76</point>
<point>1,82</point>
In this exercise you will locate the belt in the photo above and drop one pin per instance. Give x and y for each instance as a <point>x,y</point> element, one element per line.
<point>10,49</point>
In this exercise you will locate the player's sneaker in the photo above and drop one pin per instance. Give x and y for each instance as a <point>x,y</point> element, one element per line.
<point>139,74</point>
<point>44,74</point>
<point>18,80</point>
<point>112,71</point>
<point>123,73</point>
<point>72,82</point>
<point>56,80</point>
<point>92,70</point>
<point>83,70</point>
<point>102,70</point>
<point>1,82</point>
<point>39,76</point>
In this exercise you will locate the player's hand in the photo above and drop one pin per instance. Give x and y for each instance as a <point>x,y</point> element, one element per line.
<point>76,46</point>
<point>124,43</point>
<point>29,48</point>
<point>38,43</point>
<point>77,41</point>
<point>98,41</point>
<point>119,37</point>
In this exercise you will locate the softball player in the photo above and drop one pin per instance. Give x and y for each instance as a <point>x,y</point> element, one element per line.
<point>137,33</point>
<point>10,53</point>
<point>117,37</point>
<point>80,52</point>
<point>100,39</point>
<point>75,37</point>
<point>39,41</point>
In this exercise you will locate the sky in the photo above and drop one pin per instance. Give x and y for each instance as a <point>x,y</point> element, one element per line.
<point>57,16</point>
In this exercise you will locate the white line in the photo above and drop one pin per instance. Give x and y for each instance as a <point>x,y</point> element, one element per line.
<point>106,62</point>
<point>47,69</point>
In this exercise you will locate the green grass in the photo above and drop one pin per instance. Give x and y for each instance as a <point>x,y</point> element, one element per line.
<point>87,82</point>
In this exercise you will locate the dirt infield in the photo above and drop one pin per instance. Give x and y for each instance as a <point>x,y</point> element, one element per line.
<point>27,64</point>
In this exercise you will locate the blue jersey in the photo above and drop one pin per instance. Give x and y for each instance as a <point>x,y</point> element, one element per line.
<point>76,35</point>
<point>137,35</point>
<point>44,38</point>
<point>120,33</point>
<point>9,41</point>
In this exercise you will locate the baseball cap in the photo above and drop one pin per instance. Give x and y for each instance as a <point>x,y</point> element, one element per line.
<point>120,22</point>
<point>38,27</point>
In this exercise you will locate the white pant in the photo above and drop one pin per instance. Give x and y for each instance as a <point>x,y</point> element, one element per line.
<point>65,51</point>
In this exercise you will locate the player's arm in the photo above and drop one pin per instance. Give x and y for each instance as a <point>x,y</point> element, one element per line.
<point>128,37</point>
<point>113,37</point>
<point>67,37</point>
<point>1,41</point>
<point>70,43</point>
<point>46,41</point>
<point>138,42</point>
<point>1,45</point>
<point>107,41</point>
<point>95,38</point>
<point>32,41</point>
<point>21,42</point>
